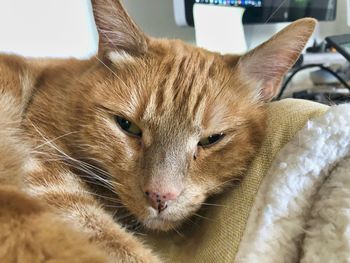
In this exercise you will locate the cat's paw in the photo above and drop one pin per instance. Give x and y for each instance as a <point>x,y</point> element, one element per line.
<point>29,232</point>
<point>128,249</point>
<point>143,258</point>
<point>139,255</point>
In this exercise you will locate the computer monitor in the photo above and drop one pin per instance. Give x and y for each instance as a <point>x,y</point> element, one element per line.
<point>263,11</point>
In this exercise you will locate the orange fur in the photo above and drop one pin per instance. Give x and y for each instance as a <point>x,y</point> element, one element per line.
<point>87,173</point>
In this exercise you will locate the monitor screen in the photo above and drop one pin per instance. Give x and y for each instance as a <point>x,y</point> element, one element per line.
<point>268,11</point>
<point>242,3</point>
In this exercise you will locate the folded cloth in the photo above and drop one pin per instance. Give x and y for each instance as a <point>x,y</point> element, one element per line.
<point>302,209</point>
<point>216,236</point>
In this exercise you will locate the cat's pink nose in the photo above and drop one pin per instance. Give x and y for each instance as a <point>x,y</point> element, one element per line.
<point>159,200</point>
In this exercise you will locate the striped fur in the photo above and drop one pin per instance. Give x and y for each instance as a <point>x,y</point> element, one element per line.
<point>69,174</point>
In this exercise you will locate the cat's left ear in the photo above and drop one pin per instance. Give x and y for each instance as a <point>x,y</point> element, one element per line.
<point>268,63</point>
<point>118,34</point>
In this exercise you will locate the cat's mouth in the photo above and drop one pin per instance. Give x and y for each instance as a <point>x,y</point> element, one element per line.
<point>138,208</point>
<point>161,221</point>
<point>173,216</point>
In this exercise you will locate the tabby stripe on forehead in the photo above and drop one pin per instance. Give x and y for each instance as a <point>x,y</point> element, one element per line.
<point>160,96</point>
<point>206,69</point>
<point>180,80</point>
<point>186,81</point>
<point>199,99</point>
<point>184,84</point>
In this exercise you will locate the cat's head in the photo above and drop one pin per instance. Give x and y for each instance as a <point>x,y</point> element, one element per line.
<point>172,123</point>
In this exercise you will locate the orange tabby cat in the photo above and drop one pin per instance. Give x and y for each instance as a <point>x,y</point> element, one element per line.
<point>151,126</point>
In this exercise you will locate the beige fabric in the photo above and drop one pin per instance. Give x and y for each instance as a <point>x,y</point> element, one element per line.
<point>216,237</point>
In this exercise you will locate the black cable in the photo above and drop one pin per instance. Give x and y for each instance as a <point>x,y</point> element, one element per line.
<point>288,80</point>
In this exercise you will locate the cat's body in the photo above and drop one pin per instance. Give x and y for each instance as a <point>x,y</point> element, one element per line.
<point>154,126</point>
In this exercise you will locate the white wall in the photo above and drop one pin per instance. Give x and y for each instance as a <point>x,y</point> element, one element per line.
<point>47,28</point>
<point>63,28</point>
<point>341,25</point>
<point>156,18</point>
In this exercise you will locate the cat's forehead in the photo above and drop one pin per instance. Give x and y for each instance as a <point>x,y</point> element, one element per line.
<point>186,80</point>
<point>175,85</point>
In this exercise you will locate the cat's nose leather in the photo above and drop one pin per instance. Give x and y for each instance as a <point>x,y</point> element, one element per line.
<point>159,200</point>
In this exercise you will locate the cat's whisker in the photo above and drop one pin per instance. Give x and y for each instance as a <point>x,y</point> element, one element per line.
<point>136,227</point>
<point>89,175</point>
<point>53,140</point>
<point>114,215</point>
<point>94,175</point>
<point>224,183</point>
<point>114,206</point>
<point>102,196</point>
<point>104,184</point>
<point>109,68</point>
<point>84,169</point>
<point>189,220</point>
<point>275,11</point>
<point>209,204</point>
<point>89,165</point>
<point>89,172</point>
<point>178,232</point>
<point>203,217</point>
<point>92,182</point>
<point>137,232</point>
<point>103,172</point>
<point>124,217</point>
<point>105,197</point>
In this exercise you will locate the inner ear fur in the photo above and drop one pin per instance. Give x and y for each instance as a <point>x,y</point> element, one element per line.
<point>269,62</point>
<point>117,32</point>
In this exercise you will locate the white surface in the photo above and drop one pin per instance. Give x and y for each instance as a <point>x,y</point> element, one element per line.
<point>47,28</point>
<point>179,12</point>
<point>219,28</point>
<point>348,8</point>
<point>301,212</point>
<point>324,58</point>
<point>156,18</point>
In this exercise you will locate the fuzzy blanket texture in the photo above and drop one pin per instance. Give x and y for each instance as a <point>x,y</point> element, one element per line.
<point>301,212</point>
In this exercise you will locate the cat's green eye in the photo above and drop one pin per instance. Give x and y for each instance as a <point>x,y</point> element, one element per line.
<point>211,140</point>
<point>128,126</point>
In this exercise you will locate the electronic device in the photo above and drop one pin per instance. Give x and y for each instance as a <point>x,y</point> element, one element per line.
<point>328,97</point>
<point>262,11</point>
<point>340,43</point>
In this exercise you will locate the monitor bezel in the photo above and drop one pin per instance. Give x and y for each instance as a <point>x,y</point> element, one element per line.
<point>252,15</point>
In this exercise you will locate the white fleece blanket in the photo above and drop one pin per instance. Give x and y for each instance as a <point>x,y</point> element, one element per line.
<point>302,210</point>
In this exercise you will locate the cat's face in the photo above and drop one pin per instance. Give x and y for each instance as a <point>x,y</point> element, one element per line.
<point>172,123</point>
<point>194,126</point>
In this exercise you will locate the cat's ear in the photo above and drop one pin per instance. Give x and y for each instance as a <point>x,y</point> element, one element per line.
<point>269,62</point>
<point>118,34</point>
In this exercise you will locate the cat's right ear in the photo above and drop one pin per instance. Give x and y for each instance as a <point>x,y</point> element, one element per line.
<point>118,34</point>
<point>266,65</point>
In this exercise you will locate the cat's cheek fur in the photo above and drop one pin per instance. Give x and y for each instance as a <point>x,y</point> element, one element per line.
<point>121,156</point>
<point>178,210</point>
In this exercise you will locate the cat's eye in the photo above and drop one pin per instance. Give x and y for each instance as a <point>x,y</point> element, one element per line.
<point>211,140</point>
<point>129,127</point>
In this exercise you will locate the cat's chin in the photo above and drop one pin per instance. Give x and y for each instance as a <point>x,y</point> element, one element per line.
<point>160,224</point>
